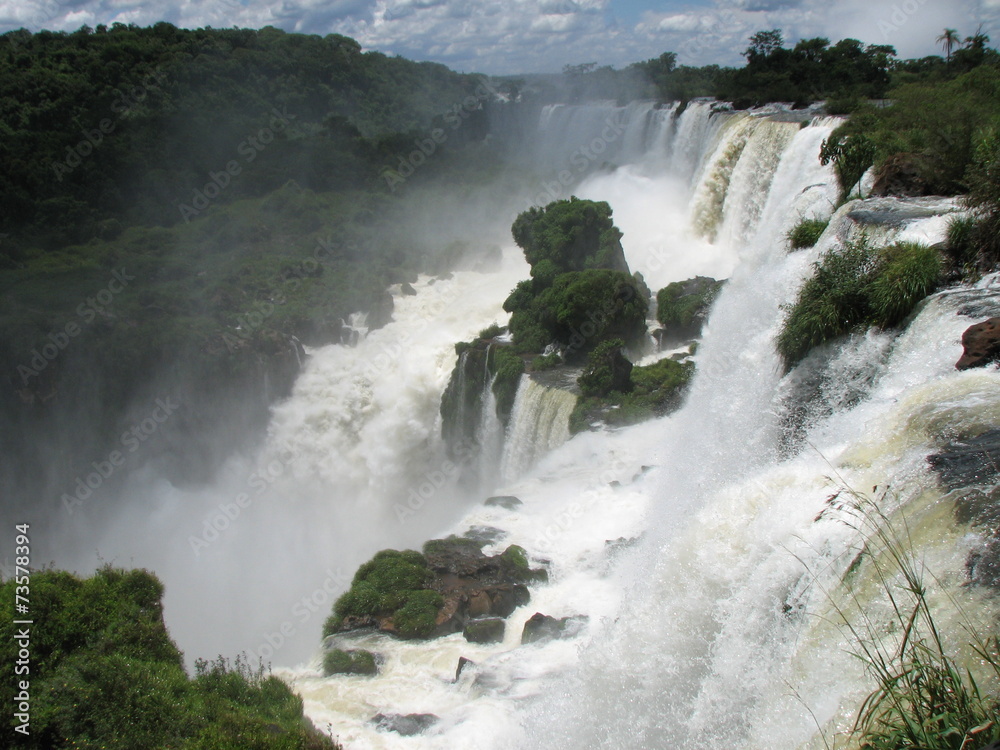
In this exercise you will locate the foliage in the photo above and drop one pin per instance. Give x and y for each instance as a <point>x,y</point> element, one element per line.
<point>507,369</point>
<point>601,374</point>
<point>572,235</point>
<point>546,362</point>
<point>359,661</point>
<point>391,584</point>
<point>104,673</point>
<point>940,125</point>
<point>854,287</point>
<point>683,303</point>
<point>984,199</point>
<point>656,391</point>
<point>807,233</point>
<point>851,156</point>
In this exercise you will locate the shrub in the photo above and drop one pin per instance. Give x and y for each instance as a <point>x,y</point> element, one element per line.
<point>546,362</point>
<point>961,239</point>
<point>507,369</point>
<point>391,584</point>
<point>607,370</point>
<point>857,286</point>
<point>806,233</point>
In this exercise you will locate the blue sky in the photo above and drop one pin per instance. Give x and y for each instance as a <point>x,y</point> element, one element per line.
<point>519,36</point>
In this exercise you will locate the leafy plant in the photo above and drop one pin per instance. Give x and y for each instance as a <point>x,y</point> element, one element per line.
<point>807,233</point>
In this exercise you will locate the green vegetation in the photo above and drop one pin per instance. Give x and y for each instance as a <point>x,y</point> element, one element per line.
<point>354,661</point>
<point>390,585</point>
<point>655,390</point>
<point>924,696</point>
<point>105,674</point>
<point>685,304</point>
<point>569,235</point>
<point>857,287</point>
<point>807,233</point>
<point>607,370</point>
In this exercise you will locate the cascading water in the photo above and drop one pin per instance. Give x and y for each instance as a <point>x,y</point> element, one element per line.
<point>702,546</point>
<point>539,423</point>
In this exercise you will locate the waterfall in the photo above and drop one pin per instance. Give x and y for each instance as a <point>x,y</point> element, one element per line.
<point>703,546</point>
<point>539,423</point>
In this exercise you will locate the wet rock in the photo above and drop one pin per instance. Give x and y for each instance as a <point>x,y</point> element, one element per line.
<point>462,664</point>
<point>406,289</point>
<point>489,630</point>
<point>485,534</point>
<point>504,501</point>
<point>541,627</point>
<point>475,585</point>
<point>968,462</point>
<point>354,661</point>
<point>407,725</point>
<point>982,344</point>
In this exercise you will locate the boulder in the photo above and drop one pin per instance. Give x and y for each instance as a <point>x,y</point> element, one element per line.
<point>359,661</point>
<point>982,344</point>
<point>462,664</point>
<point>902,175</point>
<point>474,585</point>
<point>968,462</point>
<point>504,501</point>
<point>407,725</point>
<point>489,630</point>
<point>541,627</point>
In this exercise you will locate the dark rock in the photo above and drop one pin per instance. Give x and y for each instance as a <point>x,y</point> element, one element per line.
<point>407,725</point>
<point>462,664</point>
<point>489,630</point>
<point>541,627</point>
<point>902,175</point>
<point>969,462</point>
<point>475,585</point>
<point>485,534</point>
<point>406,289</point>
<point>982,344</point>
<point>504,501</point>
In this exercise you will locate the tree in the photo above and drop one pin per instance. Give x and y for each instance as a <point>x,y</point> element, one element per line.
<point>764,43</point>
<point>948,40</point>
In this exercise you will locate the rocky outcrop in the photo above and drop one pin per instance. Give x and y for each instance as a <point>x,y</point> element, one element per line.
<point>487,630</point>
<point>902,175</point>
<point>682,308</point>
<point>504,501</point>
<point>355,661</point>
<point>969,462</point>
<point>981,344</point>
<point>407,725</point>
<point>474,585</point>
<point>541,627</point>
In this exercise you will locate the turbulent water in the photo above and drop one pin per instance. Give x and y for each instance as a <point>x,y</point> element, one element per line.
<point>713,619</point>
<point>703,547</point>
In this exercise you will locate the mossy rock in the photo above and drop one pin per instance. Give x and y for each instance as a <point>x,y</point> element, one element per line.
<point>355,661</point>
<point>504,501</point>
<point>488,630</point>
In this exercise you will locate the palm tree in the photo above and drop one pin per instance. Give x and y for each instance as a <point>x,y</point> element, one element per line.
<point>948,40</point>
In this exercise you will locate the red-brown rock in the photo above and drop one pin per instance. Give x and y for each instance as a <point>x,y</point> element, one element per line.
<point>982,344</point>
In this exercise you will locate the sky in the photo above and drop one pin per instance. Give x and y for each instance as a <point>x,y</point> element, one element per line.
<point>502,37</point>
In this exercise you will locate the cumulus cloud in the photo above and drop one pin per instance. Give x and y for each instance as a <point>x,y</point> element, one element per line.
<point>513,36</point>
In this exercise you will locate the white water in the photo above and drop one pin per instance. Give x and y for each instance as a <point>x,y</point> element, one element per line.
<point>539,424</point>
<point>716,625</point>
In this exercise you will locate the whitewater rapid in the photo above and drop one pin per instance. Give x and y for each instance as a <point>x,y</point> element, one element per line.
<point>703,547</point>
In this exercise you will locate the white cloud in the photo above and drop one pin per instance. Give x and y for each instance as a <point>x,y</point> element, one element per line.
<point>510,36</point>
